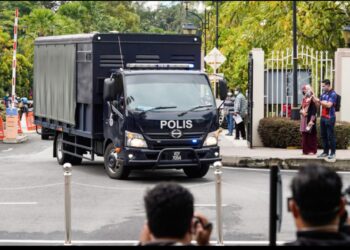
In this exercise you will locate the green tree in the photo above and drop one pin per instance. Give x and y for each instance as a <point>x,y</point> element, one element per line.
<point>268,25</point>
<point>52,5</point>
<point>167,18</point>
<point>24,7</point>
<point>74,10</point>
<point>23,69</point>
<point>44,22</point>
<point>102,16</point>
<point>5,64</point>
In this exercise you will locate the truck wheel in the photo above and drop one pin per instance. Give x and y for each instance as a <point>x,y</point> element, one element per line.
<point>44,136</point>
<point>196,172</point>
<point>113,169</point>
<point>62,158</point>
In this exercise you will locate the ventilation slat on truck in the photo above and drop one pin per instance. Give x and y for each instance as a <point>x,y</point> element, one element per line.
<point>147,59</point>
<point>107,61</point>
<point>183,58</point>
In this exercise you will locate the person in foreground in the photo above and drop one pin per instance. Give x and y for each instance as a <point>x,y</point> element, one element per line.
<point>317,205</point>
<point>171,220</point>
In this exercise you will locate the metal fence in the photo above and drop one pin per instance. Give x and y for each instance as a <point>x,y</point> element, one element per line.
<point>275,215</point>
<point>313,66</point>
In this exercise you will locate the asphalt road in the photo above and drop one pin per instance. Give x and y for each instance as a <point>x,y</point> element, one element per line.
<point>103,209</point>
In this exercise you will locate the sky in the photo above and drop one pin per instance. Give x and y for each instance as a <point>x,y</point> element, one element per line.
<point>154,4</point>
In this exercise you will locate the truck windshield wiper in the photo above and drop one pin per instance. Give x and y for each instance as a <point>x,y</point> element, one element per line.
<point>157,108</point>
<point>194,108</point>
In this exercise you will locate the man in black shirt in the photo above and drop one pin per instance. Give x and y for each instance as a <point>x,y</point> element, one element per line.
<point>171,220</point>
<point>317,206</point>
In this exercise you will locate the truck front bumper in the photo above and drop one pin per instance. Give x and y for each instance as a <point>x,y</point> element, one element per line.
<point>171,157</point>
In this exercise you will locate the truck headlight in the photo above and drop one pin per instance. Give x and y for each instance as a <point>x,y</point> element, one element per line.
<point>135,140</point>
<point>211,140</point>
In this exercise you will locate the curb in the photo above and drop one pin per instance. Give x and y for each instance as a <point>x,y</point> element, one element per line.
<point>290,163</point>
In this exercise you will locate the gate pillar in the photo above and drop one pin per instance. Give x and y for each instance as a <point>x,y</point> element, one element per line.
<point>258,94</point>
<point>341,83</point>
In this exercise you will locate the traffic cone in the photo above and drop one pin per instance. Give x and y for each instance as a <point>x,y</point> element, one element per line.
<point>19,131</point>
<point>30,121</point>
<point>2,131</point>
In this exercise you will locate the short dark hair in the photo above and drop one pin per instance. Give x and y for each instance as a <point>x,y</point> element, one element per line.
<point>169,208</point>
<point>326,81</point>
<point>317,192</point>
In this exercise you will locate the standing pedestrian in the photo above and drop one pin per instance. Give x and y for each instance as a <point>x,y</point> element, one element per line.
<point>308,112</point>
<point>240,113</point>
<point>327,102</point>
<point>7,99</point>
<point>229,109</point>
<point>24,100</point>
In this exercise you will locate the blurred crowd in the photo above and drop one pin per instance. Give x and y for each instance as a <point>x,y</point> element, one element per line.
<point>22,104</point>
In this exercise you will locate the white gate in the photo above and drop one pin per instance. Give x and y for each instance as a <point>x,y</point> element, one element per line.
<point>313,66</point>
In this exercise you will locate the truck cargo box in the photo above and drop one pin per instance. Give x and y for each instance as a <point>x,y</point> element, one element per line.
<point>69,72</point>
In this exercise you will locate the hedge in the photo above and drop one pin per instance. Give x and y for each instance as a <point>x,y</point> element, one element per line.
<point>278,132</point>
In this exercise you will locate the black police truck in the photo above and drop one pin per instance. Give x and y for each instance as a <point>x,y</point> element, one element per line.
<point>139,100</point>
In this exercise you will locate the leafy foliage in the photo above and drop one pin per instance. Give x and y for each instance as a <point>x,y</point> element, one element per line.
<point>3,112</point>
<point>243,25</point>
<point>268,25</point>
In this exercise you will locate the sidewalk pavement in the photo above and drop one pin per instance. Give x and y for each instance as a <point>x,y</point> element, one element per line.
<point>235,153</point>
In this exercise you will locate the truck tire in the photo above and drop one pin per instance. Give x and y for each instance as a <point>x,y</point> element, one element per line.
<point>114,170</point>
<point>45,133</point>
<point>62,158</point>
<point>197,172</point>
<point>44,136</point>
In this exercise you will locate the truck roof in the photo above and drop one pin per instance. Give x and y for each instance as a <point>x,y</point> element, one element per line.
<point>112,37</point>
<point>72,38</point>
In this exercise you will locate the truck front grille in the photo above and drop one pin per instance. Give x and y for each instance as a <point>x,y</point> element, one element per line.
<point>167,136</point>
<point>179,145</point>
<point>160,141</point>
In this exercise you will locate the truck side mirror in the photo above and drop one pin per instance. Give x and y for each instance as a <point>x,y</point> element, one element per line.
<point>222,89</point>
<point>109,89</point>
<point>115,104</point>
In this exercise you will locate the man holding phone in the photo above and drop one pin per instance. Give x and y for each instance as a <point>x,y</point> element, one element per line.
<point>171,219</point>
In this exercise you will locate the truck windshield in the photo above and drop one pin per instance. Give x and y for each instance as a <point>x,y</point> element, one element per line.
<point>179,92</point>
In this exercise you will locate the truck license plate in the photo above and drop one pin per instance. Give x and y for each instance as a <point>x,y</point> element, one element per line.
<point>177,156</point>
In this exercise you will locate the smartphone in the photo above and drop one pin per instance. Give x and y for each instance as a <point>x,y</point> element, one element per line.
<point>208,226</point>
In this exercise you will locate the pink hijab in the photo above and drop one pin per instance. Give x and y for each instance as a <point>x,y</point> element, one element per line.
<point>306,100</point>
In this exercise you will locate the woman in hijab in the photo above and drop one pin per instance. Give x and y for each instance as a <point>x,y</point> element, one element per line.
<point>308,112</point>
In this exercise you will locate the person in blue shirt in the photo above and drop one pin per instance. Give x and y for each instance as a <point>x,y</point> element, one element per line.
<point>7,100</point>
<point>327,102</point>
<point>229,108</point>
<point>24,100</point>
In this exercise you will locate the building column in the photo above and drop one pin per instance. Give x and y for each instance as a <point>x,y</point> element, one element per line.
<point>258,94</point>
<point>342,82</point>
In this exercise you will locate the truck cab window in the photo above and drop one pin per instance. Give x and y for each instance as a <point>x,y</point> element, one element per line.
<point>183,91</point>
